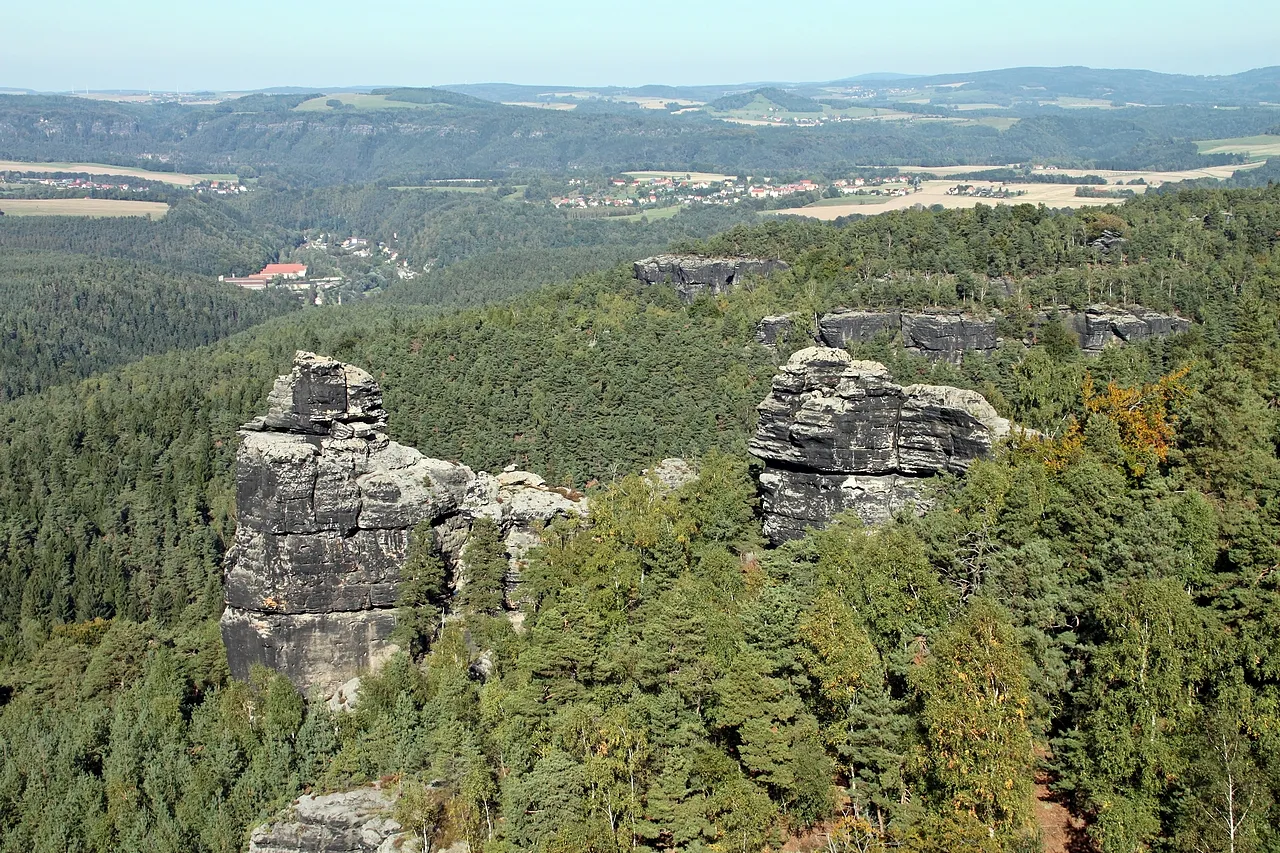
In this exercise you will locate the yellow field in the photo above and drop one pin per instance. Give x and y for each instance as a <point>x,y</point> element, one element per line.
<point>176,178</point>
<point>694,176</point>
<point>92,207</point>
<point>935,192</point>
<point>1251,146</point>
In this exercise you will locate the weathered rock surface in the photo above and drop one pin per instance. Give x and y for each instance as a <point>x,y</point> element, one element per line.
<point>938,335</point>
<point>325,505</point>
<point>769,329</point>
<point>519,503</point>
<point>694,275</point>
<point>1100,326</point>
<point>356,821</point>
<point>943,335</point>
<point>837,434</point>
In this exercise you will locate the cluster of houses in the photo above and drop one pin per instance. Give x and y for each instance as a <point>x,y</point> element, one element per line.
<point>984,191</point>
<point>666,191</point>
<point>137,185</point>
<point>73,183</point>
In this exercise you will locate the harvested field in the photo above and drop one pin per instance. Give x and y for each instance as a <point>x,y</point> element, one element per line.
<point>176,178</point>
<point>693,176</point>
<point>1113,177</point>
<point>91,207</point>
<point>935,192</point>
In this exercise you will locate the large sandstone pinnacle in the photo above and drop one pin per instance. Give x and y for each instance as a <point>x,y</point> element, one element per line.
<point>837,434</point>
<point>325,503</point>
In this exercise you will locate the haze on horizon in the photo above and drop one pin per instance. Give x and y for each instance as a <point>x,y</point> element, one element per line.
<point>241,45</point>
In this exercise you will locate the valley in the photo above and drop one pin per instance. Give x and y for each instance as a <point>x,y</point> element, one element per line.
<point>870,465</point>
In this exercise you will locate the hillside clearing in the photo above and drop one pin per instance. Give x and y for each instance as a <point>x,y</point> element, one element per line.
<point>1251,146</point>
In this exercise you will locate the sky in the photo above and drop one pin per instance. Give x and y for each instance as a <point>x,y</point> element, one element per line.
<point>232,45</point>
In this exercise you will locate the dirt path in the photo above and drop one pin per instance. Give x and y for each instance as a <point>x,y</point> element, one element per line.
<point>1061,831</point>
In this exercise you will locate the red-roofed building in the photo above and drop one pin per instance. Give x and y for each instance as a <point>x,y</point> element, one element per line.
<point>271,271</point>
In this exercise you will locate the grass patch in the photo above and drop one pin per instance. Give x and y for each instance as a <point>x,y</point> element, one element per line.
<point>1250,146</point>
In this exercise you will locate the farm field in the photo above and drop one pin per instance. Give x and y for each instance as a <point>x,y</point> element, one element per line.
<point>693,176</point>
<point>1251,146</point>
<point>90,207</point>
<point>651,214</point>
<point>175,178</point>
<point>1152,178</point>
<point>359,100</point>
<point>935,192</point>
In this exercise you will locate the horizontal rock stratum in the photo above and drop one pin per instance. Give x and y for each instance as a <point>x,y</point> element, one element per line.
<point>838,434</point>
<point>325,502</point>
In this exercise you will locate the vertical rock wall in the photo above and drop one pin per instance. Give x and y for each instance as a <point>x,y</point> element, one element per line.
<point>837,434</point>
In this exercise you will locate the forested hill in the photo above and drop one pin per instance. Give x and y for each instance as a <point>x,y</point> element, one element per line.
<point>475,139</point>
<point>677,686</point>
<point>68,316</point>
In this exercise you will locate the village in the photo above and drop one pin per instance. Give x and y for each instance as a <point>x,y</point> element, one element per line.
<point>339,269</point>
<point>637,192</point>
<point>76,182</point>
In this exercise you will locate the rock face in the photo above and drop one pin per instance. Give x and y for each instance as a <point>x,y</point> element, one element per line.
<point>694,275</point>
<point>769,329</point>
<point>947,336</point>
<point>519,502</point>
<point>325,504</point>
<point>938,335</point>
<point>837,434</point>
<point>349,822</point>
<point>1100,326</point>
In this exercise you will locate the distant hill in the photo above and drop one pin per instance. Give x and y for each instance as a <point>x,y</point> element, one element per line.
<point>784,100</point>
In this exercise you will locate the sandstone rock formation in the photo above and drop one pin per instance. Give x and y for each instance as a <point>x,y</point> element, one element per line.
<point>937,335</point>
<point>519,503</point>
<point>356,821</point>
<point>769,329</point>
<point>694,275</point>
<point>837,434</point>
<point>325,504</point>
<point>1099,326</point>
<point>948,335</point>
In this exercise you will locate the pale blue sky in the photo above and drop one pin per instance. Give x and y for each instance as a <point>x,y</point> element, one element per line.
<point>239,44</point>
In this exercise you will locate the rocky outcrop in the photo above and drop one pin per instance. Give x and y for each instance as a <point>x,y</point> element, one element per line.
<point>937,335</point>
<point>325,502</point>
<point>837,434</point>
<point>947,336</point>
<point>694,275</point>
<point>356,821</point>
<point>1100,326</point>
<point>520,503</point>
<point>769,329</point>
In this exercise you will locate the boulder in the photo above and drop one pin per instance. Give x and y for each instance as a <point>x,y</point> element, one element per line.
<point>837,434</point>
<point>694,275</point>
<point>520,503</point>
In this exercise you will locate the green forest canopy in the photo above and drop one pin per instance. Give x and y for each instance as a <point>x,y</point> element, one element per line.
<point>1099,604</point>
